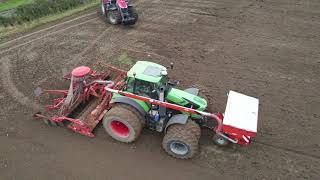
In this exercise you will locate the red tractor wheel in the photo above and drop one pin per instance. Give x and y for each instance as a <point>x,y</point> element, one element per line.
<point>123,123</point>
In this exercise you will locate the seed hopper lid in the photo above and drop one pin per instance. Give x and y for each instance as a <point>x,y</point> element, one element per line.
<point>80,71</point>
<point>241,115</point>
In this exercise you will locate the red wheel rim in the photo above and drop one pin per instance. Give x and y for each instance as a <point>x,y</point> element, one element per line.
<point>119,128</point>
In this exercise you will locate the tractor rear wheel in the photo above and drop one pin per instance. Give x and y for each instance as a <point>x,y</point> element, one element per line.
<point>181,140</point>
<point>123,123</point>
<point>133,13</point>
<point>194,128</point>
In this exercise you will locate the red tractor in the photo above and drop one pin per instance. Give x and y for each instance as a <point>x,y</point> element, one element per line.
<point>144,96</point>
<point>119,11</point>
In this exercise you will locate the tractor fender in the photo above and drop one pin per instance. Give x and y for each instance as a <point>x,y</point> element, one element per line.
<point>131,102</point>
<point>177,119</point>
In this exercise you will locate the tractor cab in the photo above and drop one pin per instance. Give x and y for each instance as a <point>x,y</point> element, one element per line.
<point>147,79</point>
<point>150,80</point>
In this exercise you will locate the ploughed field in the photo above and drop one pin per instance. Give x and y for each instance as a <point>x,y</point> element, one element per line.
<point>266,49</point>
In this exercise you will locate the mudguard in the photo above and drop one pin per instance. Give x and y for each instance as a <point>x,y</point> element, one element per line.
<point>130,102</point>
<point>177,119</point>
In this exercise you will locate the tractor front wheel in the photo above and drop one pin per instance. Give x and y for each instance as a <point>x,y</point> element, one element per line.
<point>123,123</point>
<point>114,17</point>
<point>181,140</point>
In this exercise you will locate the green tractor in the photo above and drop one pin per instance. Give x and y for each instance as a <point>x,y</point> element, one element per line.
<point>127,117</point>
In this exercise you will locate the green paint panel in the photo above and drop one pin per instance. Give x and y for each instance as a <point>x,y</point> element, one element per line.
<point>144,105</point>
<point>183,98</point>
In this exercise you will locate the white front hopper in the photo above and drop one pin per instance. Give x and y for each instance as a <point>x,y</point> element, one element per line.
<point>241,112</point>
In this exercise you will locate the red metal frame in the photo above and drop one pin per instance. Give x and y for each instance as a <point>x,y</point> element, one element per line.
<point>89,89</point>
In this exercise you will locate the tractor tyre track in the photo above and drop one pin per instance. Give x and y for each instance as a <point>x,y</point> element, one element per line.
<point>11,89</point>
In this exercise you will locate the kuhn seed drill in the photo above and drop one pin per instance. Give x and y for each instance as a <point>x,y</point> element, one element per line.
<point>127,101</point>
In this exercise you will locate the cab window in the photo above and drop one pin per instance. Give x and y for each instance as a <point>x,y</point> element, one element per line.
<point>142,88</point>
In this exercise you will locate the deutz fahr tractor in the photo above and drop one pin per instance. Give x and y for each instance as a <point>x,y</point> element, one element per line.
<point>144,96</point>
<point>128,116</point>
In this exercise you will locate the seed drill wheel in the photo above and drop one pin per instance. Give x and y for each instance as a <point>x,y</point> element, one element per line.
<point>123,123</point>
<point>220,141</point>
<point>114,17</point>
<point>181,140</point>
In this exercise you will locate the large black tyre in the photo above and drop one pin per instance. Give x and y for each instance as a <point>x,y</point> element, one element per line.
<point>133,13</point>
<point>181,140</point>
<point>113,17</point>
<point>123,123</point>
<point>193,127</point>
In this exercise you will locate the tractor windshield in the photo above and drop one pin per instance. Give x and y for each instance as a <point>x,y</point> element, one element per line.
<point>142,88</point>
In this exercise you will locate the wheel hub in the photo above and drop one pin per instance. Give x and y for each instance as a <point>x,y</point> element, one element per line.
<point>120,129</point>
<point>221,141</point>
<point>112,17</point>
<point>179,148</point>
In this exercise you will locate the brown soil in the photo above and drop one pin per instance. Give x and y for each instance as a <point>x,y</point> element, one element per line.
<point>267,49</point>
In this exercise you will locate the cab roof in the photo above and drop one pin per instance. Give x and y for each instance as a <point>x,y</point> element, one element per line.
<point>147,71</point>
